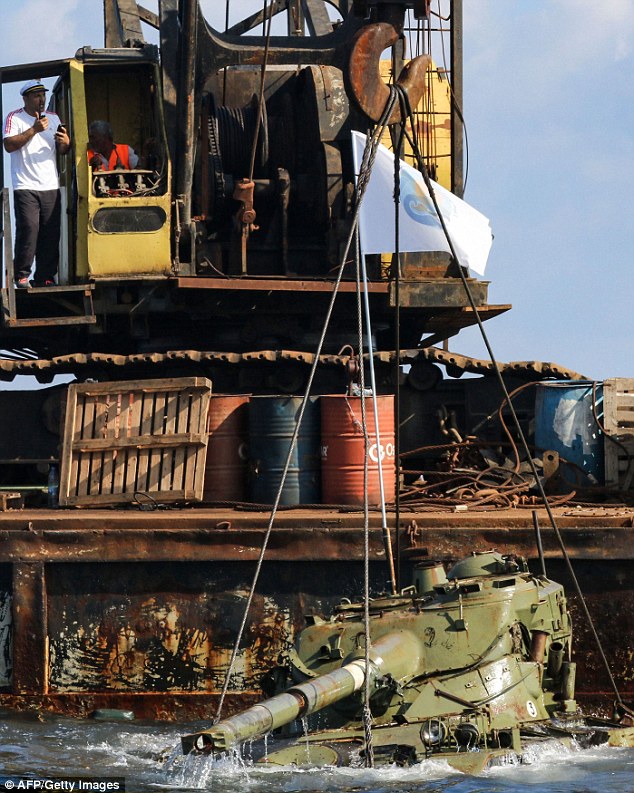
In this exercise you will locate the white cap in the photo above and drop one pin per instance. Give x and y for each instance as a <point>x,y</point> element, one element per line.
<point>32,85</point>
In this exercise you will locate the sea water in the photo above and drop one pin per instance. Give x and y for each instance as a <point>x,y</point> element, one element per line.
<point>148,757</point>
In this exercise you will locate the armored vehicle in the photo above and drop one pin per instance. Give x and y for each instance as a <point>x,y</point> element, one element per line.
<point>470,667</point>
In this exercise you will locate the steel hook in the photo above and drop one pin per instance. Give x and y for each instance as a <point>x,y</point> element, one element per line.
<point>364,82</point>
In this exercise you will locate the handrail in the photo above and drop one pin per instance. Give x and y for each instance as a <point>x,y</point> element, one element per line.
<point>9,272</point>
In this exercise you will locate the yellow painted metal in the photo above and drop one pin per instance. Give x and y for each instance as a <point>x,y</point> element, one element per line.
<point>80,142</point>
<point>433,124</point>
<point>100,254</point>
<point>133,254</point>
<point>432,118</point>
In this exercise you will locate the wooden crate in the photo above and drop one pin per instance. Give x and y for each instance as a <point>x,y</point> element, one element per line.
<point>618,406</point>
<point>9,500</point>
<point>125,441</point>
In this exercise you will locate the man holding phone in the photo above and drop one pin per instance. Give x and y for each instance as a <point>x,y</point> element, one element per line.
<point>32,137</point>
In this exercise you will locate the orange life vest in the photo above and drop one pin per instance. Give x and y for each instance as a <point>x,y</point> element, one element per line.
<point>119,158</point>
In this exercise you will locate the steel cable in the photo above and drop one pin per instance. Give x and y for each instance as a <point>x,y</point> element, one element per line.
<point>369,156</point>
<point>367,713</point>
<point>516,422</point>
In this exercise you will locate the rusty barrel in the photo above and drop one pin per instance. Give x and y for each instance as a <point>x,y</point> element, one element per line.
<point>226,466</point>
<point>343,449</point>
<point>272,421</point>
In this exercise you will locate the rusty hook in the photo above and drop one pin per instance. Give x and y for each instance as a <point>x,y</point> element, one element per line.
<point>364,82</point>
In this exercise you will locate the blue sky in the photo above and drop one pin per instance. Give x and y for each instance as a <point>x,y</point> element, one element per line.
<point>548,102</point>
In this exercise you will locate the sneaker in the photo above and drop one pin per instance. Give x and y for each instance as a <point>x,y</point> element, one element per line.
<point>40,284</point>
<point>22,283</point>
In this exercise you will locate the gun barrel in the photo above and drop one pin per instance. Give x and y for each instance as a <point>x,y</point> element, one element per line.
<point>279,710</point>
<point>308,697</point>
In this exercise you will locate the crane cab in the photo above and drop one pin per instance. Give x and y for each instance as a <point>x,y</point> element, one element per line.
<point>115,224</point>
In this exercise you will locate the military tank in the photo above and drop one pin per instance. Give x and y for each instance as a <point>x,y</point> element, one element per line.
<point>470,666</point>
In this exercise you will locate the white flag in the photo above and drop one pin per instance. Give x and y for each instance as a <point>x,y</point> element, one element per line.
<point>419,226</point>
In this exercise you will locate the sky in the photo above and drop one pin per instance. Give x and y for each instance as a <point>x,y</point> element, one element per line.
<point>549,111</point>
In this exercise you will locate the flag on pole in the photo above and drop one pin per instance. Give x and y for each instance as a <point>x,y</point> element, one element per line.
<point>419,226</point>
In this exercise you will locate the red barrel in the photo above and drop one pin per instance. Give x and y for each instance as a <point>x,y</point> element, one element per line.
<point>226,467</point>
<point>342,449</point>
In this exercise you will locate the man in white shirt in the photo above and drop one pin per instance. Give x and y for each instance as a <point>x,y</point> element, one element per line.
<point>32,138</point>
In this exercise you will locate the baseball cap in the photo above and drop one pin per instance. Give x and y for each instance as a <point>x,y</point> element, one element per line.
<point>32,85</point>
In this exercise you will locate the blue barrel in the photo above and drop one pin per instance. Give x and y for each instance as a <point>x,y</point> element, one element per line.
<point>272,421</point>
<point>565,423</point>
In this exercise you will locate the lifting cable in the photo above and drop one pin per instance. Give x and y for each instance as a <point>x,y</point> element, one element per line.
<point>396,275</point>
<point>267,42</point>
<point>367,713</point>
<point>524,445</point>
<point>369,155</point>
<point>224,71</point>
<point>387,540</point>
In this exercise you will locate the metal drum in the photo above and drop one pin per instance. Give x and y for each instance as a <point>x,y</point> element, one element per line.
<point>565,423</point>
<point>226,467</point>
<point>272,421</point>
<point>343,450</point>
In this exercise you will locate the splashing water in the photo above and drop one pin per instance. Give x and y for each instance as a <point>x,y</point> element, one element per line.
<point>306,734</point>
<point>149,757</point>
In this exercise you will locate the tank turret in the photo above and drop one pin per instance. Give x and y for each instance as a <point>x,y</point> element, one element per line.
<point>464,665</point>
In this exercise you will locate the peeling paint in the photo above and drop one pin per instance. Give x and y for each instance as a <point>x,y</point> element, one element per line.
<point>6,637</point>
<point>151,628</point>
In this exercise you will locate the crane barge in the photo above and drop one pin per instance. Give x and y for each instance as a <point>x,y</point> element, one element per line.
<point>215,263</point>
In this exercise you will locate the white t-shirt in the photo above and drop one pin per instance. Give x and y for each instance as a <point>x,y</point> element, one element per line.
<point>33,167</point>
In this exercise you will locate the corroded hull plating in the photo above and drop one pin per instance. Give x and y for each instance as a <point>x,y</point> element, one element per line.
<point>139,610</point>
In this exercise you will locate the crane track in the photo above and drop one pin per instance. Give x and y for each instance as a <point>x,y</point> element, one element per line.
<point>122,366</point>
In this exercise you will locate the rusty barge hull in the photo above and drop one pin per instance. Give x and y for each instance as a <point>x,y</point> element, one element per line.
<point>138,610</point>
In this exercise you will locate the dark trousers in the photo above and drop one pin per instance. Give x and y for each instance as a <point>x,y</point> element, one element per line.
<point>37,221</point>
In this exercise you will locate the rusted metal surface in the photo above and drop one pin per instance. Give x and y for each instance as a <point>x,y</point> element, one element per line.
<point>299,535</point>
<point>217,50</point>
<point>434,292</point>
<point>457,363</point>
<point>122,23</point>
<point>302,194</point>
<point>161,706</point>
<point>244,218</point>
<point>164,628</point>
<point>457,83</point>
<point>151,627</point>
<point>607,589</point>
<point>8,296</point>
<point>6,626</point>
<point>365,84</point>
<point>125,609</point>
<point>29,628</point>
<point>37,304</point>
<point>279,284</point>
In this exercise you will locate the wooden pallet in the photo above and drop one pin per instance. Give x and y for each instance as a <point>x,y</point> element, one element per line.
<point>142,441</point>
<point>9,500</point>
<point>618,406</point>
